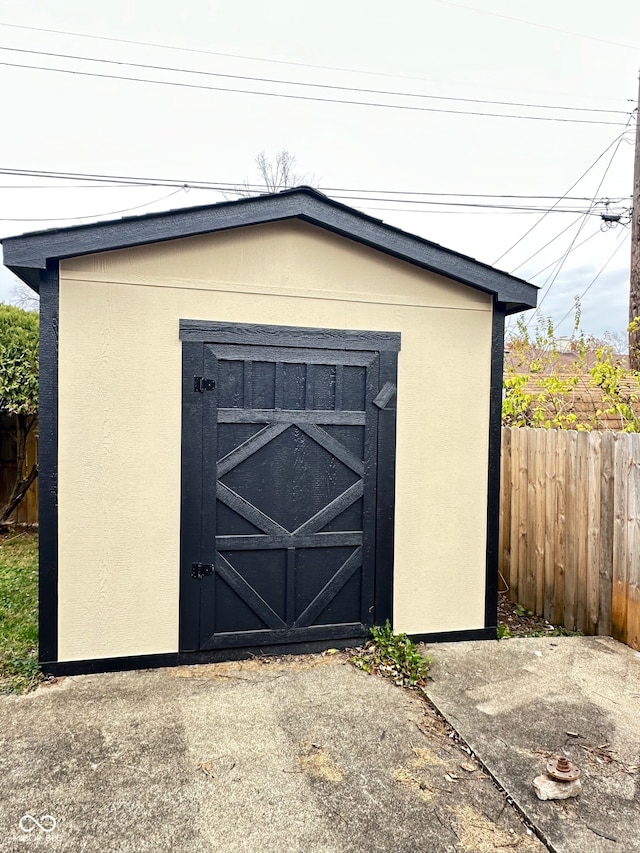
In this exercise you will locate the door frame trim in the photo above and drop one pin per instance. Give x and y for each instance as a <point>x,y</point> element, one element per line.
<point>194,334</point>
<point>214,332</point>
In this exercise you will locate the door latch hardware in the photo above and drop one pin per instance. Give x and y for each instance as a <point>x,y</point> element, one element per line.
<point>201,570</point>
<point>200,384</point>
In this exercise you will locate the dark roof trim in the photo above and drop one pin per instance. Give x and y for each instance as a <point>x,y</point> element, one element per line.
<point>27,255</point>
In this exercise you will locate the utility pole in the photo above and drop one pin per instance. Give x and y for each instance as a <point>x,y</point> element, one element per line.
<point>634,278</point>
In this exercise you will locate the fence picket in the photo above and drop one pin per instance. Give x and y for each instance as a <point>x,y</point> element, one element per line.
<point>550,520</point>
<point>514,471</point>
<point>560,529</point>
<point>582,529</point>
<point>633,549</point>
<point>531,531</point>
<point>607,457</point>
<point>571,525</point>
<point>523,470</point>
<point>540,519</point>
<point>619,574</point>
<point>593,485</point>
<point>504,543</point>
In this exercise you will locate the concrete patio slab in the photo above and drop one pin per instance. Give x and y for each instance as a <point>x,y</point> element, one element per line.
<point>303,754</point>
<point>518,701</point>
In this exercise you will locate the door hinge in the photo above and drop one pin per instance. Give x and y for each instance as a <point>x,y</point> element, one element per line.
<point>201,570</point>
<point>201,384</point>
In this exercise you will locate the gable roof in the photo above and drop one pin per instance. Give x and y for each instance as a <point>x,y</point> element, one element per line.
<point>29,254</point>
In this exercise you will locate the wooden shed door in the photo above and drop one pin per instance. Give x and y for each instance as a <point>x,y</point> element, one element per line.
<point>281,544</point>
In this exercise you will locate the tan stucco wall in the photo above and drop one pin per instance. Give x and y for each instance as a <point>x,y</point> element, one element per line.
<point>120,410</point>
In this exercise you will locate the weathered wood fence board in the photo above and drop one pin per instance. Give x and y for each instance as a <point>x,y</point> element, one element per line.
<point>27,511</point>
<point>570,528</point>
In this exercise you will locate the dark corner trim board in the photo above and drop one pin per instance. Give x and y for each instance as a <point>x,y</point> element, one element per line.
<point>493,484</point>
<point>48,465</point>
<point>125,664</point>
<point>490,633</point>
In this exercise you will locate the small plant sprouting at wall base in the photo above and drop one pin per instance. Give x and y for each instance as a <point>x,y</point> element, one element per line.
<point>393,656</point>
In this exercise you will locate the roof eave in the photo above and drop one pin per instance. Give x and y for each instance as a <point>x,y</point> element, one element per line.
<point>27,255</point>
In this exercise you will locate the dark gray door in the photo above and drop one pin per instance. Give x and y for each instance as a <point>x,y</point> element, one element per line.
<point>288,496</point>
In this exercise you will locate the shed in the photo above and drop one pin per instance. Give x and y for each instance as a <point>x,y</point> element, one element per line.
<point>265,425</point>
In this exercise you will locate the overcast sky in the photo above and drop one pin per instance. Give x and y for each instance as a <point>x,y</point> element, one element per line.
<point>565,53</point>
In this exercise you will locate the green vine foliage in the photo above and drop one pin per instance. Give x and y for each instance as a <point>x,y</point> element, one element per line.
<point>544,375</point>
<point>18,361</point>
<point>393,656</point>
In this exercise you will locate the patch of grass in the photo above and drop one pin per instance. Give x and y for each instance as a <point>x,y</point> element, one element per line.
<point>19,670</point>
<point>393,656</point>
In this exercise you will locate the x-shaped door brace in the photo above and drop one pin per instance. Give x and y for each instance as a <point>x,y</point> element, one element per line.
<point>263,522</point>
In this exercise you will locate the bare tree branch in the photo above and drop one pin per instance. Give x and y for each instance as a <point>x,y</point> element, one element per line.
<point>275,174</point>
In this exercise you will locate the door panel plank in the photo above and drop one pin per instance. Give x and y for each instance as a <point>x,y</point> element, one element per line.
<point>291,355</point>
<point>290,336</point>
<point>247,510</point>
<point>264,639</point>
<point>191,494</point>
<point>386,485</point>
<point>290,605</point>
<point>330,590</point>
<point>249,447</point>
<point>248,383</point>
<point>250,542</point>
<point>331,510</point>
<point>333,446</point>
<point>288,416</point>
<point>370,499</point>
<point>247,593</point>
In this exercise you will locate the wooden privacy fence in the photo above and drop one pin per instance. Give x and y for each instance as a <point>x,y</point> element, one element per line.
<point>570,528</point>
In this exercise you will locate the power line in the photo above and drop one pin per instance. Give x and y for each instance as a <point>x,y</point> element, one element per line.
<point>464,208</point>
<point>96,215</point>
<point>553,275</point>
<point>127,180</point>
<point>288,96</point>
<point>548,243</point>
<point>532,208</point>
<point>536,24</point>
<point>577,246</point>
<point>360,90</point>
<point>441,212</point>
<point>116,182</point>
<point>427,202</point>
<point>577,234</point>
<point>212,52</point>
<point>593,281</point>
<point>575,184</point>
<point>113,186</point>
